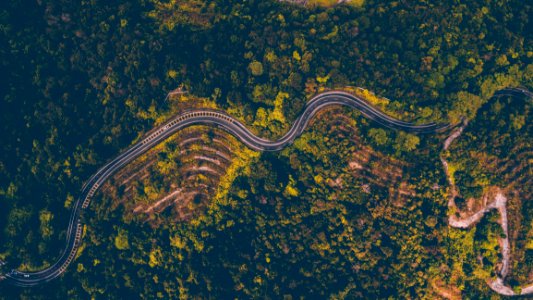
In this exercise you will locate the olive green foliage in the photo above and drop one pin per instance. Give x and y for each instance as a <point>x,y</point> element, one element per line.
<point>178,13</point>
<point>492,152</point>
<point>121,240</point>
<point>256,68</point>
<point>83,79</point>
<point>379,135</point>
<point>406,141</point>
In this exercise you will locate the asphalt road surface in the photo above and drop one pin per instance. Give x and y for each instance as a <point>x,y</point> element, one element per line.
<point>234,127</point>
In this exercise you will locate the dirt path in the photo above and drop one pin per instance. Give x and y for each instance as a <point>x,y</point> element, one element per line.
<point>158,203</point>
<point>491,201</point>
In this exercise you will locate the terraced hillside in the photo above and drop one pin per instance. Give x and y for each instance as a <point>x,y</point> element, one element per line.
<point>181,175</point>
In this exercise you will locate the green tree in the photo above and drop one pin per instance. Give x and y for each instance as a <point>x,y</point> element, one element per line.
<point>378,135</point>
<point>406,141</point>
<point>256,68</point>
<point>45,217</point>
<point>121,240</point>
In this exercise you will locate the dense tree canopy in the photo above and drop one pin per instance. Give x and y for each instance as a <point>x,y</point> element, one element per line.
<point>82,80</point>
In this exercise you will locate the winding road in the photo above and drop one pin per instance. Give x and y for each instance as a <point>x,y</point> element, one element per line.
<point>227,123</point>
<point>499,203</point>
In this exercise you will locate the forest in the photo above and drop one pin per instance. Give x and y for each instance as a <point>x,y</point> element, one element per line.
<point>351,210</point>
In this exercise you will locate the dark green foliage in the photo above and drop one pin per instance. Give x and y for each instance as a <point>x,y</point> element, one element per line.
<point>81,80</point>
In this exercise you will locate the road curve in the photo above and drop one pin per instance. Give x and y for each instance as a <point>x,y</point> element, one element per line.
<point>227,123</point>
<point>499,203</point>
